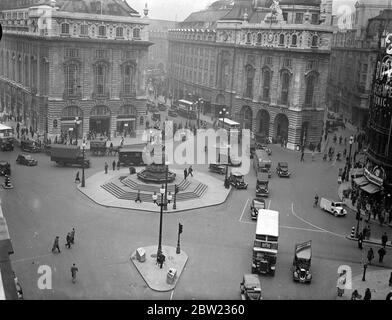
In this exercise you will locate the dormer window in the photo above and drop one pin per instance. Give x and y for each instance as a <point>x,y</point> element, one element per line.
<point>136,33</point>
<point>119,32</point>
<point>64,28</point>
<point>294,40</point>
<point>102,31</point>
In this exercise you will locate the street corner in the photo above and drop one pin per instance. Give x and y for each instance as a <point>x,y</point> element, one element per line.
<point>159,279</point>
<point>377,281</point>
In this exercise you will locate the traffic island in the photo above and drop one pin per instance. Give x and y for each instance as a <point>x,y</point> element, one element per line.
<point>157,278</point>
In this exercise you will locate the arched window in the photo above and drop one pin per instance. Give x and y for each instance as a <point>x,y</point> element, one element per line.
<point>101,72</point>
<point>281,40</point>
<point>136,33</point>
<point>72,79</point>
<point>294,40</point>
<point>310,82</point>
<point>250,74</point>
<point>284,97</point>
<point>119,32</point>
<point>266,84</point>
<point>315,41</point>
<point>259,38</point>
<point>128,79</point>
<point>65,28</point>
<point>102,31</point>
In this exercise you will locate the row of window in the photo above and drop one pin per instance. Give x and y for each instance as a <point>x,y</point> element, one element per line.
<point>102,31</point>
<point>282,39</point>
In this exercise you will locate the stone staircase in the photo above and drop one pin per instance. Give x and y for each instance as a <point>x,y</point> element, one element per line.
<point>153,188</point>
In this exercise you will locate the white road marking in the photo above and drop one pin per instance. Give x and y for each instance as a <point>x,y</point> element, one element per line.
<point>171,296</point>
<point>312,225</point>
<point>243,210</point>
<point>32,258</point>
<point>302,229</point>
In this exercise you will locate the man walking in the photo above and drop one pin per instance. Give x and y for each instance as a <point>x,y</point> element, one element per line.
<point>73,236</point>
<point>114,165</point>
<point>118,165</point>
<point>381,254</point>
<point>384,239</point>
<point>77,179</point>
<point>302,155</point>
<point>360,240</point>
<point>190,171</point>
<point>56,245</point>
<point>106,167</point>
<point>370,255</point>
<point>68,240</point>
<point>185,174</point>
<point>74,270</point>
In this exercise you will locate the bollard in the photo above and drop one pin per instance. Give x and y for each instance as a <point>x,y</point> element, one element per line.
<point>352,235</point>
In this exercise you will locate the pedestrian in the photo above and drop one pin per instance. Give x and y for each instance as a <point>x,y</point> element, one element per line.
<point>302,156</point>
<point>368,295</point>
<point>56,245</point>
<point>370,255</point>
<point>345,141</point>
<point>355,295</point>
<point>190,171</point>
<point>185,174</point>
<point>74,269</point>
<point>118,165</point>
<point>360,240</point>
<point>312,155</point>
<point>344,153</point>
<point>384,239</point>
<point>73,236</point>
<point>114,165</point>
<point>68,240</point>
<point>77,179</point>
<point>106,167</point>
<point>381,253</point>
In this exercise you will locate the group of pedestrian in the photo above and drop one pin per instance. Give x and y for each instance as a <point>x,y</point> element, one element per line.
<point>356,296</point>
<point>188,172</point>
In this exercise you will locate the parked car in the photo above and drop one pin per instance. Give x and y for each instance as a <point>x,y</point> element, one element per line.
<point>334,207</point>
<point>29,146</point>
<point>283,170</point>
<point>5,168</point>
<point>236,179</point>
<point>172,113</point>
<point>213,167</point>
<point>255,206</point>
<point>26,160</point>
<point>6,144</point>
<point>250,287</point>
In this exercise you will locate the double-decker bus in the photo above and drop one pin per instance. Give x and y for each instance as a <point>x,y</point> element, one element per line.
<point>187,109</point>
<point>262,162</point>
<point>265,247</point>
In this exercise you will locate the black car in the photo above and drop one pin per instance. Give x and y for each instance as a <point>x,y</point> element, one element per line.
<point>173,113</point>
<point>5,168</point>
<point>26,160</point>
<point>236,179</point>
<point>29,146</point>
<point>255,206</point>
<point>6,145</point>
<point>283,170</point>
<point>213,167</point>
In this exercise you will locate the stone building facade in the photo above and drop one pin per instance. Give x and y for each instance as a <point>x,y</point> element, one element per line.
<point>267,63</point>
<point>71,67</point>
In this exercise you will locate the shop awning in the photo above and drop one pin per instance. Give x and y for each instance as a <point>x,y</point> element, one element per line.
<point>371,188</point>
<point>361,181</point>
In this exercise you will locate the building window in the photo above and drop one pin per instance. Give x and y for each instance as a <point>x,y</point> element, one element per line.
<point>101,72</point>
<point>294,40</point>
<point>315,18</point>
<point>65,28</point>
<point>287,63</point>
<point>84,30</point>
<point>281,40</point>
<point>128,79</point>
<point>312,64</point>
<point>119,32</point>
<point>259,38</point>
<point>248,38</point>
<point>310,81</point>
<point>299,18</point>
<point>315,41</point>
<point>266,85</point>
<point>136,33</point>
<point>285,16</point>
<point>268,61</point>
<point>284,98</point>
<point>71,79</point>
<point>102,31</point>
<point>250,74</point>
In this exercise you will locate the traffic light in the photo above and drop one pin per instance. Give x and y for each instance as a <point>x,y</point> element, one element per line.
<point>179,228</point>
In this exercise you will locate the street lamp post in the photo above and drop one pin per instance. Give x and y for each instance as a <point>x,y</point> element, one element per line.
<point>223,113</point>
<point>83,179</point>
<point>200,102</point>
<point>349,158</point>
<point>77,123</point>
<point>161,204</point>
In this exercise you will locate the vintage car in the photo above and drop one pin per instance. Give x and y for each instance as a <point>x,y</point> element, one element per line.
<point>6,144</point>
<point>98,147</point>
<point>235,161</point>
<point>26,160</point>
<point>283,170</point>
<point>5,168</point>
<point>262,185</point>
<point>213,167</point>
<point>250,287</point>
<point>333,207</point>
<point>302,262</point>
<point>264,147</point>
<point>172,113</point>
<point>255,206</point>
<point>161,107</point>
<point>29,146</point>
<point>236,179</point>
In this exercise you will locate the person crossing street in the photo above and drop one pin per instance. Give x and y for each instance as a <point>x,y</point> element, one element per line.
<point>74,270</point>
<point>56,245</point>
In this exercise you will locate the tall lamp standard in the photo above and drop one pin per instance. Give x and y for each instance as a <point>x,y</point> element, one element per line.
<point>223,113</point>
<point>77,123</point>
<point>161,204</point>
<point>200,103</point>
<point>349,158</point>
<point>83,179</point>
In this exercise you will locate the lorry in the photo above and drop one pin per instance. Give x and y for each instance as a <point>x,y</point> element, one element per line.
<point>302,261</point>
<point>334,207</point>
<point>68,155</point>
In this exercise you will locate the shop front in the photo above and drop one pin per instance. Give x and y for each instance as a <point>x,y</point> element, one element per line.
<point>126,121</point>
<point>100,120</point>
<point>71,121</point>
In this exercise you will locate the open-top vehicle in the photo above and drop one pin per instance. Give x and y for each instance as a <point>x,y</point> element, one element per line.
<point>250,287</point>
<point>236,179</point>
<point>262,185</point>
<point>302,262</point>
<point>283,170</point>
<point>255,206</point>
<point>217,168</point>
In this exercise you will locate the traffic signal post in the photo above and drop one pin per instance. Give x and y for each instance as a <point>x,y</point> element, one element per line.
<point>178,250</point>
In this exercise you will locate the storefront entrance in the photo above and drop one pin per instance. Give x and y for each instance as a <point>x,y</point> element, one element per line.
<point>100,120</point>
